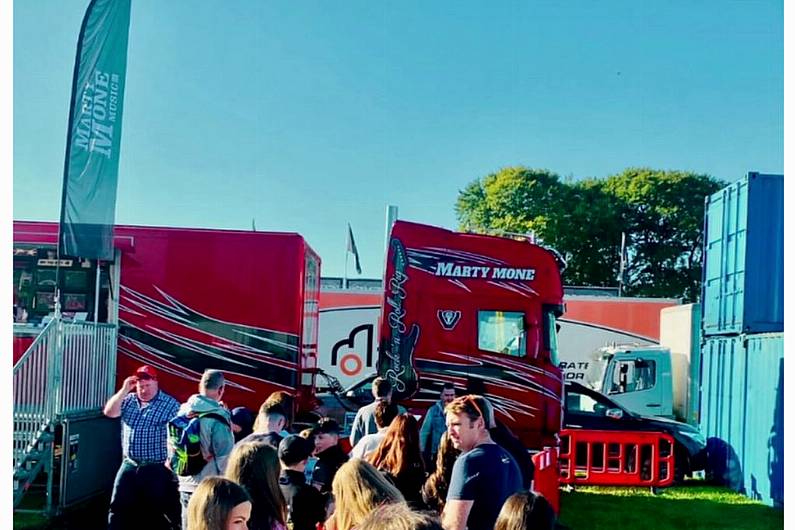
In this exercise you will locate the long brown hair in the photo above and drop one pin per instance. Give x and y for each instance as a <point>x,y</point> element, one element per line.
<point>359,488</point>
<point>400,447</point>
<point>526,511</point>
<point>213,501</point>
<point>255,466</point>
<point>434,492</point>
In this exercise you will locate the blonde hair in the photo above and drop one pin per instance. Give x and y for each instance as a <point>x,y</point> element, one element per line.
<point>399,516</point>
<point>358,489</point>
<point>213,501</point>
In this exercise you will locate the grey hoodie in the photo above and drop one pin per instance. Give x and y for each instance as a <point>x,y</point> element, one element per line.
<point>217,439</point>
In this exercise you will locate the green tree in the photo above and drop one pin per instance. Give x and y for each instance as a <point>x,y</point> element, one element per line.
<point>661,212</point>
<point>663,218</point>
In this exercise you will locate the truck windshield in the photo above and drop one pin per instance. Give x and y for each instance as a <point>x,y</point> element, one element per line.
<point>501,332</point>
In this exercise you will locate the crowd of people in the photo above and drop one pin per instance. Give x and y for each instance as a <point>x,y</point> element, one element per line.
<point>199,466</point>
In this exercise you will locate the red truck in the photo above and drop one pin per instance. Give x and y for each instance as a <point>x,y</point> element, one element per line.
<point>477,311</point>
<point>185,300</point>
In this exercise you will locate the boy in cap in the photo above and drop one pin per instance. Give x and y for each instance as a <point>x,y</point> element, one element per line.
<point>143,482</point>
<point>330,455</point>
<point>305,505</point>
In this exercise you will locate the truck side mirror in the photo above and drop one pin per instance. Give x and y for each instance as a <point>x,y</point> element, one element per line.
<point>615,414</point>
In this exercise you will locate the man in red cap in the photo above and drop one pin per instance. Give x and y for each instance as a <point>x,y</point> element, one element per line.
<point>143,483</point>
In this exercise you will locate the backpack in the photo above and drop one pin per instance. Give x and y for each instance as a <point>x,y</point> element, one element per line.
<point>184,435</point>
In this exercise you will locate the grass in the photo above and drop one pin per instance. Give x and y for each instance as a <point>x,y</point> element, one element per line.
<point>684,507</point>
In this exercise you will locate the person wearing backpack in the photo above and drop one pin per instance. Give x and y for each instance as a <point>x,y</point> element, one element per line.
<point>200,438</point>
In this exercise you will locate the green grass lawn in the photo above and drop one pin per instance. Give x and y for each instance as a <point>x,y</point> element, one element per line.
<point>685,507</point>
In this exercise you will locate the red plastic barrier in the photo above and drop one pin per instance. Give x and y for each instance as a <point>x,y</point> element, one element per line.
<point>545,478</point>
<point>616,458</point>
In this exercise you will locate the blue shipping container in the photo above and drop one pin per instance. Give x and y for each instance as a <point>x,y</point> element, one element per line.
<point>743,276</point>
<point>742,412</point>
<point>763,467</point>
<point>722,409</point>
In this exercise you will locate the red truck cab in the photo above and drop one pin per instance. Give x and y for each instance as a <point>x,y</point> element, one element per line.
<point>477,311</point>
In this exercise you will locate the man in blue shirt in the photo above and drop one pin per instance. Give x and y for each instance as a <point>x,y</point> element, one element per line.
<point>484,475</point>
<point>143,485</point>
<point>434,426</point>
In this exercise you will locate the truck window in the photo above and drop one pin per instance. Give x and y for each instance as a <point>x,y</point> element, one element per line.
<point>502,332</point>
<point>551,335</point>
<point>633,376</point>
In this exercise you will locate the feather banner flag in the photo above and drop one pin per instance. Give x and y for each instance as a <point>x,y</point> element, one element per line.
<point>93,140</point>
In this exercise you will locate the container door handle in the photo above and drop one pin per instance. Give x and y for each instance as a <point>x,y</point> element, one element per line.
<point>653,405</point>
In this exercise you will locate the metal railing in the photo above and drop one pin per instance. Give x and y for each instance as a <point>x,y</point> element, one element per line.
<point>69,369</point>
<point>89,367</point>
<point>33,409</point>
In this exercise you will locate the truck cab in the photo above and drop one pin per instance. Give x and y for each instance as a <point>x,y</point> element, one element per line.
<point>639,379</point>
<point>479,312</point>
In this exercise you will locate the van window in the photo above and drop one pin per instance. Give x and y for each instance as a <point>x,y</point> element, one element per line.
<point>633,376</point>
<point>502,332</point>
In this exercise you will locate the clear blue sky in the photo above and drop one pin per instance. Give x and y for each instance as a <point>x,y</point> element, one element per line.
<point>307,115</point>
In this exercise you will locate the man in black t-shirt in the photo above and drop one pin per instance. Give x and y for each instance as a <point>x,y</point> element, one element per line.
<point>306,506</point>
<point>484,475</point>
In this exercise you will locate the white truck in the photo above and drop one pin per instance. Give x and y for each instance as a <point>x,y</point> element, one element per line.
<point>653,380</point>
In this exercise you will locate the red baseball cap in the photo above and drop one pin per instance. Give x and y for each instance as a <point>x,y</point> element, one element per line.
<point>146,372</point>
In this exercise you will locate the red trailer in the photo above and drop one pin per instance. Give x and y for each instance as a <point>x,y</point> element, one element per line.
<point>186,300</point>
<point>479,312</point>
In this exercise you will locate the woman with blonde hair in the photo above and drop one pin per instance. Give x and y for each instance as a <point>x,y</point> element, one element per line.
<point>399,457</point>
<point>358,489</point>
<point>255,466</point>
<point>434,491</point>
<point>219,504</point>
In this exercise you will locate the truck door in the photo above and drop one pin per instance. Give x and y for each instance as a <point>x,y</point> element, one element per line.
<point>634,380</point>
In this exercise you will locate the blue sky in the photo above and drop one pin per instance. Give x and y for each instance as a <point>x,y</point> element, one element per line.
<point>308,115</point>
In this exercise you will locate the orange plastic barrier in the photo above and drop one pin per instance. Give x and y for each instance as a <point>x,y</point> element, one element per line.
<point>545,478</point>
<point>616,458</point>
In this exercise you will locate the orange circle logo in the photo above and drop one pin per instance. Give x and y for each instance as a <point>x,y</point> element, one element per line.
<point>350,364</point>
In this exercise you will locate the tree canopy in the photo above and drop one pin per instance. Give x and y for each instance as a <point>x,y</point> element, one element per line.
<point>660,212</point>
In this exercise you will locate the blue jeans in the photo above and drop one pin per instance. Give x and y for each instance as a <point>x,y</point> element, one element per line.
<point>184,498</point>
<point>146,492</point>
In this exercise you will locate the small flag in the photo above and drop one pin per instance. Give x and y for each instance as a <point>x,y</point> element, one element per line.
<point>91,168</point>
<point>352,248</point>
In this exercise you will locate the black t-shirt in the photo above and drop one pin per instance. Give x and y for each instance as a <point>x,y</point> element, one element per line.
<point>271,438</point>
<point>487,475</point>
<point>328,462</point>
<point>306,506</point>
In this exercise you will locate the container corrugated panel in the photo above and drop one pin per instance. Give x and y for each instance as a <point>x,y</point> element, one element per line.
<point>763,464</point>
<point>723,405</point>
<point>743,277</point>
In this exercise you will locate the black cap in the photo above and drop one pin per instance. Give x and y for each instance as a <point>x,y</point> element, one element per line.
<point>294,449</point>
<point>327,426</point>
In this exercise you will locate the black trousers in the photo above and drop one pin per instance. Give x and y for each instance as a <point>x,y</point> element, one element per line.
<point>145,495</point>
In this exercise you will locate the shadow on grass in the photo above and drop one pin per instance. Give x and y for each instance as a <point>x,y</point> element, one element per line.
<point>90,515</point>
<point>676,508</point>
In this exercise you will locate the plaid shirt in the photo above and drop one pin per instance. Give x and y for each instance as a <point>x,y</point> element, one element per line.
<point>143,429</point>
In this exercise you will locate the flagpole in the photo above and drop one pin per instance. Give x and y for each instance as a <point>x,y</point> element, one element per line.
<point>622,265</point>
<point>96,292</point>
<point>345,275</point>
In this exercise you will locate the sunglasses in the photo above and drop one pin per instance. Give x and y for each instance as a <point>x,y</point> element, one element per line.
<point>471,399</point>
<point>144,377</point>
